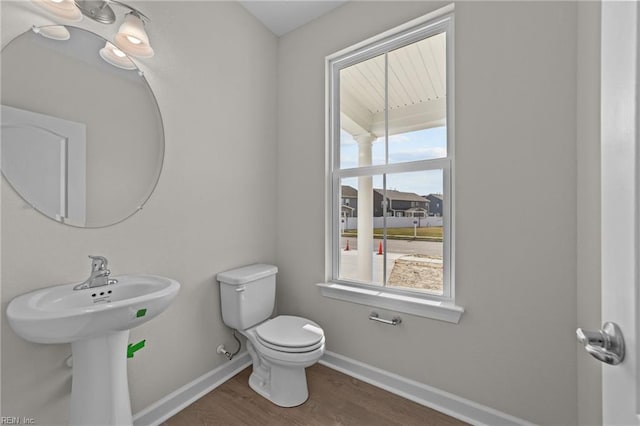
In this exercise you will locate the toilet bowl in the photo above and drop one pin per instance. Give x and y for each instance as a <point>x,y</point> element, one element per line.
<point>279,359</point>
<point>280,347</point>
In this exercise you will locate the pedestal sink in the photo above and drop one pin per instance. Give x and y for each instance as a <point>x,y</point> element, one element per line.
<point>96,321</point>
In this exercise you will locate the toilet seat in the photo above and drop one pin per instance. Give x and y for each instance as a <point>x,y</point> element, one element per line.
<point>290,334</point>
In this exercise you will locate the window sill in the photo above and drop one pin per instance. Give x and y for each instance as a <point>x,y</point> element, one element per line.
<point>433,309</point>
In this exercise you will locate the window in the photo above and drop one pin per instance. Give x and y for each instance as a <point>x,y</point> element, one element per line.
<point>390,137</point>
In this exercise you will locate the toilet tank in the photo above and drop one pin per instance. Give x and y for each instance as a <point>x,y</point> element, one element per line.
<point>247,295</point>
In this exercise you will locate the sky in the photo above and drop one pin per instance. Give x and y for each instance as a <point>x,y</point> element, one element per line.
<point>413,146</point>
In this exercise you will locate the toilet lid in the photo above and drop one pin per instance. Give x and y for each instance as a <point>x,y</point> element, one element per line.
<point>290,332</point>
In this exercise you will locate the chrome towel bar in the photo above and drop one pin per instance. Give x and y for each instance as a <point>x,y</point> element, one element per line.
<point>393,321</point>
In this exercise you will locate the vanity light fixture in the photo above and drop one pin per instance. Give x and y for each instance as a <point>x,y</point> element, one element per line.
<point>131,37</point>
<point>54,32</point>
<point>116,57</point>
<point>63,9</point>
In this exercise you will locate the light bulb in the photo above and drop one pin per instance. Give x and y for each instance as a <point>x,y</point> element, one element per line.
<point>132,38</point>
<point>119,53</point>
<point>116,57</point>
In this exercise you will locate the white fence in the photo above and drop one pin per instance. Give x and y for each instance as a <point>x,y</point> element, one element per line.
<point>395,222</point>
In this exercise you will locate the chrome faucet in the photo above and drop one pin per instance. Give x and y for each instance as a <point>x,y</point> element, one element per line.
<point>99,274</point>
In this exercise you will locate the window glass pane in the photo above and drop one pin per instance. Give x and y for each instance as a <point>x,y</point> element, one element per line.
<point>359,241</point>
<point>418,101</point>
<point>362,105</point>
<point>392,109</point>
<point>415,230</point>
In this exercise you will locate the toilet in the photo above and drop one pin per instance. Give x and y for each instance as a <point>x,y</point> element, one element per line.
<point>281,347</point>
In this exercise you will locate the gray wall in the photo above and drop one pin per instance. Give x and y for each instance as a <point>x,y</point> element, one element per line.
<point>214,75</point>
<point>515,348</point>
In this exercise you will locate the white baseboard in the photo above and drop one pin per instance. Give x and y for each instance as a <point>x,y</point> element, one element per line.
<point>420,393</point>
<point>176,401</point>
<point>447,403</point>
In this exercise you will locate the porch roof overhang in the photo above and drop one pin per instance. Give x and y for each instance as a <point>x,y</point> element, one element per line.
<point>416,90</point>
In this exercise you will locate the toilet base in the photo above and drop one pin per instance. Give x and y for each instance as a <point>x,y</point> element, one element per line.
<point>285,387</point>
<point>284,384</point>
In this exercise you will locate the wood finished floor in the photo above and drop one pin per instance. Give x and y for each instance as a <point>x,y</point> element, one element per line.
<point>335,399</point>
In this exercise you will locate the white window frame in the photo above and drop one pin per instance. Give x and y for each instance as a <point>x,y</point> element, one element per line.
<point>403,300</point>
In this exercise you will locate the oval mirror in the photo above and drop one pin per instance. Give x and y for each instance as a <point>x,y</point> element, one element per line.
<point>82,138</point>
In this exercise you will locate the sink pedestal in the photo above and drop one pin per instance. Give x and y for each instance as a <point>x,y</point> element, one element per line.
<point>99,386</point>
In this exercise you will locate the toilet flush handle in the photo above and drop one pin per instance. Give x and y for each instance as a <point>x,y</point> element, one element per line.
<point>240,289</point>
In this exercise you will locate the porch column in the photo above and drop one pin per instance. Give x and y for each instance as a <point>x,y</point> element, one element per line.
<point>365,209</point>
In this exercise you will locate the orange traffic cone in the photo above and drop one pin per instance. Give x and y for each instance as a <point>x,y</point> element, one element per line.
<point>380,248</point>
<point>347,247</point>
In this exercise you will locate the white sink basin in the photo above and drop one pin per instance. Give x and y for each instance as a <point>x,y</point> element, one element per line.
<point>62,315</point>
<point>96,321</point>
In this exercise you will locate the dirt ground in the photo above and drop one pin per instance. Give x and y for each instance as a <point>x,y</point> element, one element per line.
<point>418,271</point>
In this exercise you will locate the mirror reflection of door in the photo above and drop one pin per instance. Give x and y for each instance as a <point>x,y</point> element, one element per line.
<point>44,159</point>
